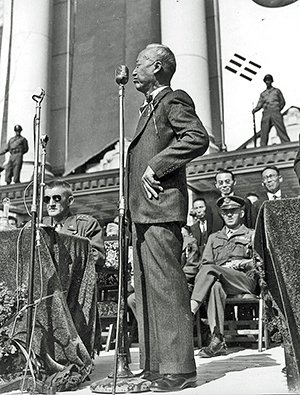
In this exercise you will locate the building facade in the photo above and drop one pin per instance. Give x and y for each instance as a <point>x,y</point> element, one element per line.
<point>72,48</point>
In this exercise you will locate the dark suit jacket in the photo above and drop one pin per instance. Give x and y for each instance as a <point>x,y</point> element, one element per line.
<point>195,230</point>
<point>166,139</point>
<point>260,201</point>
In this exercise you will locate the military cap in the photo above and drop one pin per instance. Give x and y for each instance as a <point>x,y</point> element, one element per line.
<point>18,128</point>
<point>268,77</point>
<point>228,202</point>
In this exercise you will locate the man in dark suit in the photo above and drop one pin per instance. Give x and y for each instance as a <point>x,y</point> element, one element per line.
<point>202,228</point>
<point>169,134</point>
<point>271,181</point>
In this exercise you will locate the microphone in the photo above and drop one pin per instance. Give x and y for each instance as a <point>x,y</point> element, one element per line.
<point>40,96</point>
<point>44,140</point>
<point>122,74</point>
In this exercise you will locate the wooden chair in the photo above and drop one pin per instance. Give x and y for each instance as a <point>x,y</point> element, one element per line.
<point>241,327</point>
<point>108,291</point>
<point>247,322</point>
<point>108,285</point>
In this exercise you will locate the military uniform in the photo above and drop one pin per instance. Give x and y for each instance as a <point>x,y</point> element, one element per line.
<point>272,102</point>
<point>17,146</point>
<point>226,267</point>
<point>84,226</point>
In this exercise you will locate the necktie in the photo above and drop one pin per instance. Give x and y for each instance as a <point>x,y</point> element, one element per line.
<point>203,232</point>
<point>275,197</point>
<point>146,107</point>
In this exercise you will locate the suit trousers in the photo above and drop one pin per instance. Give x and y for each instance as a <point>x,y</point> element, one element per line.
<point>165,321</point>
<point>215,283</point>
<point>269,119</point>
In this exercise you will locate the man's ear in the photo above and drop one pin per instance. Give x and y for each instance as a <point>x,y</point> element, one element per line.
<point>158,66</point>
<point>71,200</point>
<point>242,213</point>
<point>234,182</point>
<point>280,178</point>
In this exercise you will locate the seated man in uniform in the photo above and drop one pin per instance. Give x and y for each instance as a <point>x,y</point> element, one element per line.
<point>227,269</point>
<point>58,198</point>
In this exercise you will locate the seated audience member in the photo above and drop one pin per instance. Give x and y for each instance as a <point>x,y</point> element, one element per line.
<point>203,225</point>
<point>58,198</point>
<point>271,181</point>
<point>225,182</point>
<point>226,269</point>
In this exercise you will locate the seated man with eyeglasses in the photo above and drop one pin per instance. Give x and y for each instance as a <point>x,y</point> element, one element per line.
<point>58,198</point>
<point>227,268</point>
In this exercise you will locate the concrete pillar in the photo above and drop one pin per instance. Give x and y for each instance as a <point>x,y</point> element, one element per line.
<point>189,219</point>
<point>183,29</point>
<point>29,70</point>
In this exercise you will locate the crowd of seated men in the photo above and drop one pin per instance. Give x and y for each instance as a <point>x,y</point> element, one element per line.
<point>217,256</point>
<point>217,247</point>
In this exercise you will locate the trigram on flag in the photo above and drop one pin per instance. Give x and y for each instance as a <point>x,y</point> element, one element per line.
<point>246,69</point>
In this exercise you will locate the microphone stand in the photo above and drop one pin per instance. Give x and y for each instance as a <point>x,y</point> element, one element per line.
<point>38,100</point>
<point>44,140</point>
<point>122,379</point>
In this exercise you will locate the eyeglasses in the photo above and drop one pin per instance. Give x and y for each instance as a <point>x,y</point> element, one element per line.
<point>56,198</point>
<point>270,177</point>
<point>226,182</point>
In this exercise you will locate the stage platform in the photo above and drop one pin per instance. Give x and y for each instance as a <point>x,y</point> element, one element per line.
<point>241,372</point>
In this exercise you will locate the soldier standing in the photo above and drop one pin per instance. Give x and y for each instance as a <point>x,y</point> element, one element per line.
<point>17,146</point>
<point>272,102</point>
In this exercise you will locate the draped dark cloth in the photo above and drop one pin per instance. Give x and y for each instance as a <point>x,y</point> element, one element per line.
<point>64,331</point>
<point>277,241</point>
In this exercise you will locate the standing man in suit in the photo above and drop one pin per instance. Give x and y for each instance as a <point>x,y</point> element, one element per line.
<point>202,228</point>
<point>169,135</point>
<point>272,102</point>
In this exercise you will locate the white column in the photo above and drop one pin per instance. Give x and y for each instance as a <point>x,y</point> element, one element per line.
<point>183,29</point>
<point>189,219</point>
<point>29,70</point>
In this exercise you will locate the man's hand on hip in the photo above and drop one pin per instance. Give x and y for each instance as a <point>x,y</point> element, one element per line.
<point>151,185</point>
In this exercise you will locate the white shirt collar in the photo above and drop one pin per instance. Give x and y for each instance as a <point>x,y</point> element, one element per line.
<point>277,194</point>
<point>155,93</point>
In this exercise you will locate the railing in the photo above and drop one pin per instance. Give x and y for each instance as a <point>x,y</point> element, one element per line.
<point>247,161</point>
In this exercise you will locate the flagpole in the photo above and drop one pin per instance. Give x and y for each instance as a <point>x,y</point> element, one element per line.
<point>223,146</point>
